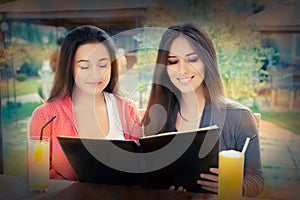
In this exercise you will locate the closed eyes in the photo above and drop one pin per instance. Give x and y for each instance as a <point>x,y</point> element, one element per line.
<point>194,59</point>
<point>172,62</point>
<point>86,66</point>
<point>175,61</point>
<point>83,66</point>
<point>103,65</point>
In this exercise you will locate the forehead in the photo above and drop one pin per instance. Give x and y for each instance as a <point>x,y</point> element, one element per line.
<point>91,50</point>
<point>181,47</point>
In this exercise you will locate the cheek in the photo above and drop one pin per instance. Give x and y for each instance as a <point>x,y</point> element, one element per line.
<point>171,72</point>
<point>106,74</point>
<point>202,73</point>
<point>200,69</point>
<point>77,75</point>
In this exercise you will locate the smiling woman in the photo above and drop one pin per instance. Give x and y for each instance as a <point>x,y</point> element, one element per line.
<point>85,97</point>
<point>182,76</point>
<point>188,85</point>
<point>92,68</point>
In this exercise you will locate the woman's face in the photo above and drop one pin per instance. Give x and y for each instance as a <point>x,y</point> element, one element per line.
<point>185,68</point>
<point>92,68</point>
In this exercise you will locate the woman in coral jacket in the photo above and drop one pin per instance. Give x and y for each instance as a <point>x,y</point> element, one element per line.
<point>84,98</point>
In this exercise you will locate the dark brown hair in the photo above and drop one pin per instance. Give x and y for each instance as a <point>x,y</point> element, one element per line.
<point>163,92</point>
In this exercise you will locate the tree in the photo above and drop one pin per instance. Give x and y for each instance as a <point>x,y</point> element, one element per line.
<point>239,49</point>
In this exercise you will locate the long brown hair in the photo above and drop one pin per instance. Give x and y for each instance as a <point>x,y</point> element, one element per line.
<point>163,92</point>
<point>64,80</point>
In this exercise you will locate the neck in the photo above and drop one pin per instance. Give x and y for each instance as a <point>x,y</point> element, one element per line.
<point>192,104</point>
<point>89,109</point>
<point>80,97</point>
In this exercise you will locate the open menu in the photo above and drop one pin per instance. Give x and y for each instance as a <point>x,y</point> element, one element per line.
<point>156,161</point>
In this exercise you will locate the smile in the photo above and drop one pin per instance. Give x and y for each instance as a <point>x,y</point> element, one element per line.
<point>185,80</point>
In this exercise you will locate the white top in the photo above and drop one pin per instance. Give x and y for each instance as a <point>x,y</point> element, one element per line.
<point>115,125</point>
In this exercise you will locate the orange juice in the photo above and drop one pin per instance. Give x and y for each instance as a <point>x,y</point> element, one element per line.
<point>231,171</point>
<point>38,164</point>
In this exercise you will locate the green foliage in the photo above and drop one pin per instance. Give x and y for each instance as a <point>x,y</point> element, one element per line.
<point>40,92</point>
<point>23,110</point>
<point>21,77</point>
<point>29,86</point>
<point>148,46</point>
<point>35,43</point>
<point>6,54</point>
<point>239,49</point>
<point>33,54</point>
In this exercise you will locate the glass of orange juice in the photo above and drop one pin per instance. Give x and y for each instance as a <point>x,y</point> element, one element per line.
<point>231,171</point>
<point>38,163</point>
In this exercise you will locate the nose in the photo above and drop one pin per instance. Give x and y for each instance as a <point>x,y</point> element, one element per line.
<point>182,66</point>
<point>97,72</point>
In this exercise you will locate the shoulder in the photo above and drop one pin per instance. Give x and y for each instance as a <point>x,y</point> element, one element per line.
<point>239,124</point>
<point>128,109</point>
<point>125,101</point>
<point>240,117</point>
<point>50,108</point>
<point>236,110</point>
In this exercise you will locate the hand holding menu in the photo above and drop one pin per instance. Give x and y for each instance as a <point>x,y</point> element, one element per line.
<point>157,161</point>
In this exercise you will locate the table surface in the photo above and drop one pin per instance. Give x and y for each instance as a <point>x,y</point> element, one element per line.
<point>14,187</point>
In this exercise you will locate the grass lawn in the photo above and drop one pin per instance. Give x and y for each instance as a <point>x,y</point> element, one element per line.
<point>24,110</point>
<point>14,134</point>
<point>14,138</point>
<point>286,120</point>
<point>30,85</point>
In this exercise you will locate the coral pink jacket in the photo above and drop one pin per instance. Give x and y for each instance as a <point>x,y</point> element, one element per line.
<point>65,125</point>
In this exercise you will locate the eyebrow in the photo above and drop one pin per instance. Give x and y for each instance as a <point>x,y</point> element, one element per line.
<point>189,54</point>
<point>82,60</point>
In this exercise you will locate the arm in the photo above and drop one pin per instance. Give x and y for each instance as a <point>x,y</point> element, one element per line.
<point>130,118</point>
<point>135,118</point>
<point>238,128</point>
<point>253,180</point>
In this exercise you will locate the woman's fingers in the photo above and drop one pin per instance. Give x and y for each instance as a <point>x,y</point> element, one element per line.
<point>179,189</point>
<point>212,183</point>
<point>172,188</point>
<point>209,185</point>
<point>214,190</point>
<point>209,177</point>
<point>214,170</point>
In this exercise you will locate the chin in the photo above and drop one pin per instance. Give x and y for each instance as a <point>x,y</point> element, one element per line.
<point>186,89</point>
<point>99,91</point>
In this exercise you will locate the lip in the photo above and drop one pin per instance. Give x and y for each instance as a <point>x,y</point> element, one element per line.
<point>94,83</point>
<point>185,80</point>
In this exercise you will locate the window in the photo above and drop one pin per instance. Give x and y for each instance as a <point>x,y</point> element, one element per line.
<point>296,45</point>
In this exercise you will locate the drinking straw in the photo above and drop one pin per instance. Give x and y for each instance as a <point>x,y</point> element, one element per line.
<point>246,145</point>
<point>42,130</point>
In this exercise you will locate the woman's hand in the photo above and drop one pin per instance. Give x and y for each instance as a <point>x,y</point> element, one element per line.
<point>212,184</point>
<point>179,189</point>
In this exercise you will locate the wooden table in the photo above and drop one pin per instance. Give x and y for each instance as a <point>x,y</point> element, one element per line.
<point>14,187</point>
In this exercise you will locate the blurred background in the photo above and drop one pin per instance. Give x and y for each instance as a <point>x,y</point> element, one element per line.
<point>257,42</point>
